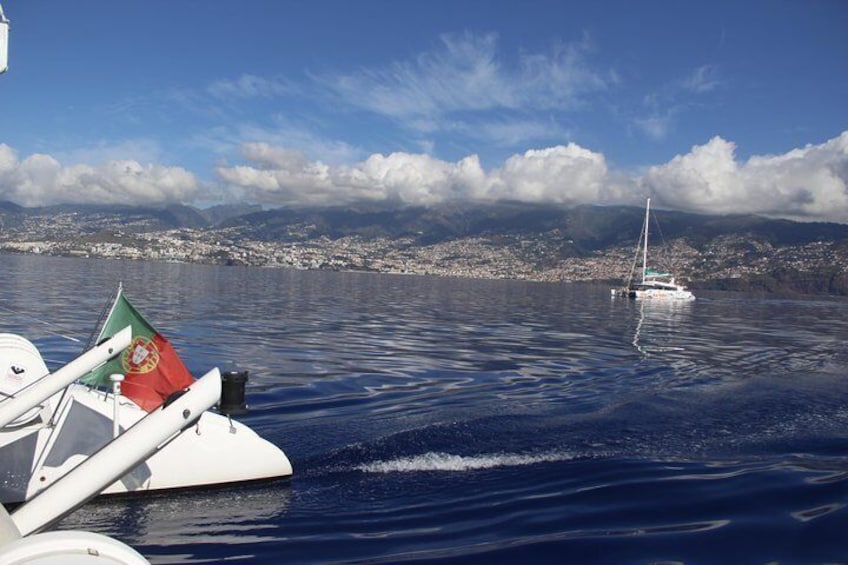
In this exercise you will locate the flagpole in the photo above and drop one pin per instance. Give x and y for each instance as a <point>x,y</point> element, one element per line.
<point>104,315</point>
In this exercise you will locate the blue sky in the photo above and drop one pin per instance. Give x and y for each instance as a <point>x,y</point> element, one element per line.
<point>713,107</point>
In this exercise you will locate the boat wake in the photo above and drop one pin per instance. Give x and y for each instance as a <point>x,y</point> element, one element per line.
<point>446,462</point>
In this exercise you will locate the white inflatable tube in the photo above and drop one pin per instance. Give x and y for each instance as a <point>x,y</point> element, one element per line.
<point>118,457</point>
<point>50,384</point>
<point>69,547</point>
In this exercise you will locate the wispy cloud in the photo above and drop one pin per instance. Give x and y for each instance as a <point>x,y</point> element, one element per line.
<point>662,108</point>
<point>654,127</point>
<point>463,93</point>
<point>703,79</point>
<point>280,131</point>
<point>463,75</point>
<point>142,150</point>
<point>251,86</point>
<point>512,132</point>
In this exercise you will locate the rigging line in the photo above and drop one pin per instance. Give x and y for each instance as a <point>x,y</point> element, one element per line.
<point>46,323</point>
<point>95,332</point>
<point>636,252</point>
<point>635,259</point>
<point>664,247</point>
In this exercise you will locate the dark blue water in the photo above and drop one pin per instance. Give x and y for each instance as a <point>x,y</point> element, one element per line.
<point>457,420</point>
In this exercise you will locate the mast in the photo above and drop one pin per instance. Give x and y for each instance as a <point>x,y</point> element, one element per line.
<point>645,236</point>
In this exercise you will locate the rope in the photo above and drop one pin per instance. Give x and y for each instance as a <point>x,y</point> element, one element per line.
<point>48,324</point>
<point>664,249</point>
<point>95,332</point>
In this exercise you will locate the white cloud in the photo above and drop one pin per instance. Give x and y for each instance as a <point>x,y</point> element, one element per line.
<point>464,74</point>
<point>144,150</point>
<point>807,184</point>
<point>511,133</point>
<point>655,127</point>
<point>41,179</point>
<point>224,141</point>
<point>664,106</point>
<point>284,176</point>
<point>563,174</point>
<point>703,79</point>
<point>251,86</point>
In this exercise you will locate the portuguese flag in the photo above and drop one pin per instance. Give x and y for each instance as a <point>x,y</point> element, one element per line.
<point>150,365</point>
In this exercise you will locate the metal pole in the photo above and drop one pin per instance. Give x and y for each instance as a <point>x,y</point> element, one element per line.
<point>116,379</point>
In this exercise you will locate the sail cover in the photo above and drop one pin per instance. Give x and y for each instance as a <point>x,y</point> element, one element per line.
<point>151,366</point>
<point>656,273</point>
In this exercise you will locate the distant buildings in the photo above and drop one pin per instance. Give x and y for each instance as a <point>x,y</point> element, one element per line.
<point>726,261</point>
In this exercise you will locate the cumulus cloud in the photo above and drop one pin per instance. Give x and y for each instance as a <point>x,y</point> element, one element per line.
<point>562,174</point>
<point>810,183</point>
<point>41,179</point>
<point>805,184</point>
<point>281,176</point>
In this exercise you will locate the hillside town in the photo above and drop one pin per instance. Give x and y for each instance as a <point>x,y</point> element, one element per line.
<point>545,256</point>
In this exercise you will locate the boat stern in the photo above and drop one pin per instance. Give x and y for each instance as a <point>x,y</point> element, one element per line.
<point>215,451</point>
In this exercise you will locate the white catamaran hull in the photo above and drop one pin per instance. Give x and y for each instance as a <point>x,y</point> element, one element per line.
<point>679,293</point>
<point>654,294</point>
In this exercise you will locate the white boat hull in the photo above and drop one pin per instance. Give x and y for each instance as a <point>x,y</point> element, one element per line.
<point>20,540</point>
<point>663,294</point>
<point>76,547</point>
<point>660,294</point>
<point>217,450</point>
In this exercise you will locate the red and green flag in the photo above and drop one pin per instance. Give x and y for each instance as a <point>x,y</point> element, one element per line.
<point>151,367</point>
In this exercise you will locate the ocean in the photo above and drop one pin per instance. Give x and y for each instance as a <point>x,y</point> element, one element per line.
<point>464,421</point>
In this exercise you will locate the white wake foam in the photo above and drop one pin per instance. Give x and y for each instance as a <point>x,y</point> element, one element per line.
<point>435,461</point>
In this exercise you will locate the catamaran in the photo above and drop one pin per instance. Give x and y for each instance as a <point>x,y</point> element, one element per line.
<point>654,284</point>
<point>52,422</point>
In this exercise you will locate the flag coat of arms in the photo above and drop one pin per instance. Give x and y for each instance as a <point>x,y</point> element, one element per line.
<point>151,367</point>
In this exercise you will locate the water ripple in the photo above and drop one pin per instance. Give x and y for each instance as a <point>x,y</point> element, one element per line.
<point>484,420</point>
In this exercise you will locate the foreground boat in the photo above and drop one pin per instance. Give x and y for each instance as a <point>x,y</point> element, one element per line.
<point>654,284</point>
<point>63,443</point>
<point>52,422</point>
<point>20,537</point>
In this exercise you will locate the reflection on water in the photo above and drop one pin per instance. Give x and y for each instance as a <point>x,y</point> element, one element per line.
<point>658,324</point>
<point>227,515</point>
<point>817,512</point>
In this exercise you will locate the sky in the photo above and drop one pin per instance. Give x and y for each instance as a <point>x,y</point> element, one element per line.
<point>706,107</point>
